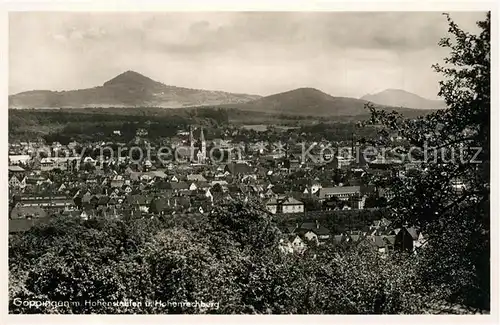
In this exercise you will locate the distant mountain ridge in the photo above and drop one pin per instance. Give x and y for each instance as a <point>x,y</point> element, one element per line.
<point>314,102</point>
<point>129,89</point>
<point>403,98</point>
<point>307,101</point>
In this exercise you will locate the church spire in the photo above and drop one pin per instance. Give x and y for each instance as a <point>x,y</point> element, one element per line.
<point>202,135</point>
<point>191,144</point>
<point>191,137</point>
<point>203,146</point>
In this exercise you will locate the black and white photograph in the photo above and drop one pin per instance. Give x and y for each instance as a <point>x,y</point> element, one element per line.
<point>249,162</point>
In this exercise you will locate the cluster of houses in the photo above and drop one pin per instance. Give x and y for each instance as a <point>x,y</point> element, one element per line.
<point>118,188</point>
<point>92,191</point>
<point>380,236</point>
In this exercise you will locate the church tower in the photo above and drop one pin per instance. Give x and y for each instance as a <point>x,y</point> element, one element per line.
<point>203,146</point>
<point>191,143</point>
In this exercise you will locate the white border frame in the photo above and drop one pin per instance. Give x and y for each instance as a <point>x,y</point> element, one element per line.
<point>255,5</point>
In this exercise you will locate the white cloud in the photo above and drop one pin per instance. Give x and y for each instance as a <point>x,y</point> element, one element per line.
<point>346,54</point>
<point>59,37</point>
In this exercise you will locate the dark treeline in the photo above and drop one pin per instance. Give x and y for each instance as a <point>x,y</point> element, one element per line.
<point>338,131</point>
<point>92,124</point>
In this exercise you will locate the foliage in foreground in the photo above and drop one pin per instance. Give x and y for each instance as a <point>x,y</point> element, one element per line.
<point>231,257</point>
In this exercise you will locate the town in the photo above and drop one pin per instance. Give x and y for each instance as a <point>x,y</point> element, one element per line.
<point>89,180</point>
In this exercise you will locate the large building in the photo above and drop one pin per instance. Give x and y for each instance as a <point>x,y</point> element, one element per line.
<point>351,194</point>
<point>45,202</point>
<point>284,204</point>
<point>19,159</point>
<point>343,193</point>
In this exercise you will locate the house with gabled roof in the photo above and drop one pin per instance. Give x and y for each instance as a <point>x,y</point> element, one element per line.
<point>16,169</point>
<point>23,183</point>
<point>313,188</point>
<point>383,243</point>
<point>14,182</point>
<point>238,169</point>
<point>417,237</point>
<point>127,189</point>
<point>284,204</point>
<point>293,243</point>
<point>62,188</point>
<point>117,181</point>
<point>19,159</point>
<point>380,224</point>
<point>313,231</point>
<point>195,178</point>
<point>146,177</point>
<point>140,202</point>
<point>158,174</point>
<point>177,187</point>
<point>192,186</point>
<point>27,212</point>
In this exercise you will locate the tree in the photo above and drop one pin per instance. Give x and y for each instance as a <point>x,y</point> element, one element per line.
<point>455,263</point>
<point>217,188</point>
<point>311,203</point>
<point>182,268</point>
<point>89,167</point>
<point>76,261</point>
<point>333,202</point>
<point>373,200</point>
<point>243,224</point>
<point>156,206</point>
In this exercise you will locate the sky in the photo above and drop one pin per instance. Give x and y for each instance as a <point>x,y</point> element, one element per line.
<point>341,53</point>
